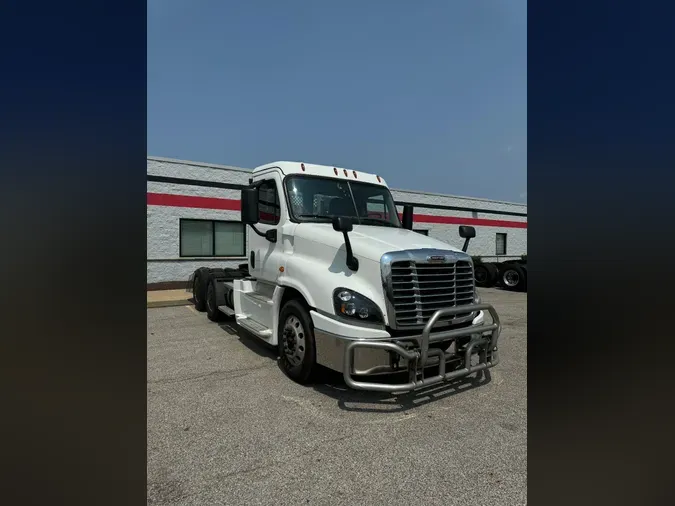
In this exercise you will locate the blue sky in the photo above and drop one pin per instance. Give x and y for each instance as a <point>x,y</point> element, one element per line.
<point>432,95</point>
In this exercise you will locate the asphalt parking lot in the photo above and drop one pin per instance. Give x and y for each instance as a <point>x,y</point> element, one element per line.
<point>226,426</point>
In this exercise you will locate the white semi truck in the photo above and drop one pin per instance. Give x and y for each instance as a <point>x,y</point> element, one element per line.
<point>335,278</point>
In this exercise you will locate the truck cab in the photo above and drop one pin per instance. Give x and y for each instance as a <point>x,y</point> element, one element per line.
<point>336,278</point>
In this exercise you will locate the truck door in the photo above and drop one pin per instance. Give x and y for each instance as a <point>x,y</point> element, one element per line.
<point>264,256</point>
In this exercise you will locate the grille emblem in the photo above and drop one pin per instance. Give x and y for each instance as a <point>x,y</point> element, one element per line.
<point>436,259</point>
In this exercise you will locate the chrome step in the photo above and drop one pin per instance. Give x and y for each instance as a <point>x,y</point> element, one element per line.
<point>254,327</point>
<point>258,297</point>
<point>227,310</point>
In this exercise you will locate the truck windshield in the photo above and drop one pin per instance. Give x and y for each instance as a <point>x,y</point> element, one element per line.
<point>319,199</point>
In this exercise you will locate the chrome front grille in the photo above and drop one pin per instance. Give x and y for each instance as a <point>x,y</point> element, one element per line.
<point>419,289</point>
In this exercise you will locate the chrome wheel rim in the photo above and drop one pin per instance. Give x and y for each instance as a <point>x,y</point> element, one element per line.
<point>294,340</point>
<point>511,278</point>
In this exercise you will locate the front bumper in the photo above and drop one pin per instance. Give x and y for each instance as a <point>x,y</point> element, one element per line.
<point>379,353</point>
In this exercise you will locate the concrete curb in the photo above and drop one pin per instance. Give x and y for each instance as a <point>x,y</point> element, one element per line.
<point>168,303</point>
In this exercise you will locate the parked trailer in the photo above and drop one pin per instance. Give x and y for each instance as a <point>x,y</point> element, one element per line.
<point>510,274</point>
<point>334,278</point>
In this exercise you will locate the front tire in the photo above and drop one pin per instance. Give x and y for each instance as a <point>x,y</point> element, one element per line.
<point>297,349</point>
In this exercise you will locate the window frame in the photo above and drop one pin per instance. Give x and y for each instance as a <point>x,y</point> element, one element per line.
<point>213,238</point>
<point>276,205</point>
<point>497,234</point>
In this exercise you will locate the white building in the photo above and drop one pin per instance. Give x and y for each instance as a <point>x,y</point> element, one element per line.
<point>193,220</point>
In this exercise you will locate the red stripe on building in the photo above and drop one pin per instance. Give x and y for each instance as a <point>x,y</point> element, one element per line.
<point>166,199</point>
<point>454,220</point>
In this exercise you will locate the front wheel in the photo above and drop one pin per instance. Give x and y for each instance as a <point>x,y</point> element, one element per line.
<point>297,350</point>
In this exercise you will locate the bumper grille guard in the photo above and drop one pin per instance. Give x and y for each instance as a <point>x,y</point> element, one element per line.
<point>418,357</point>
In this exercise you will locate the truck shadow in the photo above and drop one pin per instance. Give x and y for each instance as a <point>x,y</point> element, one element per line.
<point>331,383</point>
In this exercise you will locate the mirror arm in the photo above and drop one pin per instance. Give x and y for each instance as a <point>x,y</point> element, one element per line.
<point>466,244</point>
<point>352,261</point>
<point>261,234</point>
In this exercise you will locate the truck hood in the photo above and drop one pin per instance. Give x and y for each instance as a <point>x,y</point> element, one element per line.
<point>369,241</point>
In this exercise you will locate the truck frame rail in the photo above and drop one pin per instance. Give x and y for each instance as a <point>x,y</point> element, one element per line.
<point>484,336</point>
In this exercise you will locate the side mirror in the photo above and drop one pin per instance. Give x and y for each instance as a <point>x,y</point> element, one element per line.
<point>249,205</point>
<point>342,224</point>
<point>466,232</point>
<point>407,217</point>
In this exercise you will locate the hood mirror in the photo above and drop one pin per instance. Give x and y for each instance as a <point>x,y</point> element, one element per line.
<point>467,233</point>
<point>345,225</point>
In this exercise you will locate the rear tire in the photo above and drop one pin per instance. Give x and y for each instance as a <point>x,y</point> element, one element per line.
<point>481,275</point>
<point>199,287</point>
<point>513,278</point>
<point>493,272</point>
<point>486,274</point>
<point>297,348</point>
<point>212,312</point>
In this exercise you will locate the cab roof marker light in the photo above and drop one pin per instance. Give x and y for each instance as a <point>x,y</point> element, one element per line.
<point>335,170</point>
<point>345,171</point>
<point>379,179</point>
<point>354,172</point>
<point>302,166</point>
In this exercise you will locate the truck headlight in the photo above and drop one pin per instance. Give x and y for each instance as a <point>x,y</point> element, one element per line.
<point>351,304</point>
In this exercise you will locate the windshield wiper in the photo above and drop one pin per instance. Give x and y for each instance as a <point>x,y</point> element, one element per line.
<point>378,221</point>
<point>314,216</point>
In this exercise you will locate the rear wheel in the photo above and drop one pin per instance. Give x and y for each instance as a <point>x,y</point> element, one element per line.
<point>199,287</point>
<point>212,311</point>
<point>297,350</point>
<point>486,274</point>
<point>513,277</point>
<point>493,273</point>
<point>480,273</point>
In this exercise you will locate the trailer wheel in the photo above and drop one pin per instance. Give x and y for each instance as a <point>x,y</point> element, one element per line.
<point>513,278</point>
<point>199,287</point>
<point>493,273</point>
<point>297,350</point>
<point>481,275</point>
<point>486,274</point>
<point>212,311</point>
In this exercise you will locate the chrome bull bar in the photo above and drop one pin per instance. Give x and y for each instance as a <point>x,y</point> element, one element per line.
<point>418,357</point>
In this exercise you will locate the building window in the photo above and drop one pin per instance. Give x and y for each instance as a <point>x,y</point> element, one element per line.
<point>268,203</point>
<point>423,232</point>
<point>208,238</point>
<point>501,244</point>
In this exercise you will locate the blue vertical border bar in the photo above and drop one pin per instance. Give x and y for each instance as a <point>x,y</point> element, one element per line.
<point>601,142</point>
<point>73,194</point>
